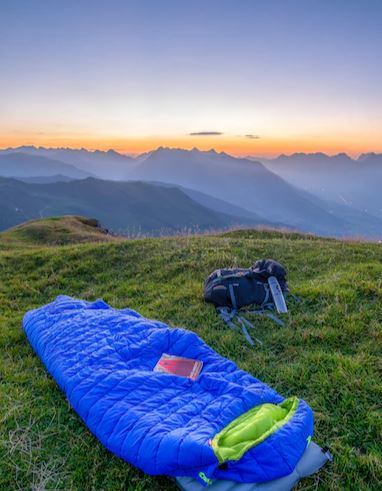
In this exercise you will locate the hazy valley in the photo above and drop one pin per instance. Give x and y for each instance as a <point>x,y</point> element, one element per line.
<point>169,191</point>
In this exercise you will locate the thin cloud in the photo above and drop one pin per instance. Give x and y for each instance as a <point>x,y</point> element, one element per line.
<point>252,137</point>
<point>206,133</point>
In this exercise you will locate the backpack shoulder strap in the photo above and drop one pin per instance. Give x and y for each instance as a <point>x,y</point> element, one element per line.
<point>232,295</point>
<point>229,316</point>
<point>244,324</point>
<point>265,310</point>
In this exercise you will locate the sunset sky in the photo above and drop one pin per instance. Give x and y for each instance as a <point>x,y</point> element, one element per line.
<point>243,76</point>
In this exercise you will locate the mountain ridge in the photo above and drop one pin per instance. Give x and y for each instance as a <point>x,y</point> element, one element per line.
<point>163,147</point>
<point>18,164</point>
<point>339,178</point>
<point>242,182</point>
<point>314,192</point>
<point>130,208</point>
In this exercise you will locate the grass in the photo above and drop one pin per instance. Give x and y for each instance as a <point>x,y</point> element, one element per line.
<point>329,353</point>
<point>55,231</point>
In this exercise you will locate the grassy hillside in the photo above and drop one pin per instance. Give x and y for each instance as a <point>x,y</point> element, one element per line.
<point>55,231</point>
<point>329,353</point>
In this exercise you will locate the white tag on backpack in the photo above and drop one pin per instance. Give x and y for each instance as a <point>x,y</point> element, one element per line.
<point>277,295</point>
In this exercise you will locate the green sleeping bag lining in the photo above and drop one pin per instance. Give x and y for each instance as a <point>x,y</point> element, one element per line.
<point>251,428</point>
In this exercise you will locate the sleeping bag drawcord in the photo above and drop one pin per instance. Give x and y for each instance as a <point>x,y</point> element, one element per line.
<point>203,479</point>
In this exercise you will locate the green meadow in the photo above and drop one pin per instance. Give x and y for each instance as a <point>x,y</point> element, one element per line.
<point>329,352</point>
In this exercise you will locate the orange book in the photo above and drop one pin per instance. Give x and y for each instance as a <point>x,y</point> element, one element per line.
<point>177,365</point>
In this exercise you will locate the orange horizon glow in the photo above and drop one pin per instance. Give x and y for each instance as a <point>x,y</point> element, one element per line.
<point>139,76</point>
<point>235,145</point>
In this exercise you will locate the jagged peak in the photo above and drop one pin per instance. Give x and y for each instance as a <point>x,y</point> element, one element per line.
<point>364,156</point>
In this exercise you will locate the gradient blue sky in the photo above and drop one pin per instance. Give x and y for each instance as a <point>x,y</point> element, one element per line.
<point>300,75</point>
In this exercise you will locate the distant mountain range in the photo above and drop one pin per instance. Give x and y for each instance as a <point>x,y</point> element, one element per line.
<point>250,185</point>
<point>354,182</point>
<point>336,196</point>
<point>132,208</point>
<point>105,165</point>
<point>18,164</point>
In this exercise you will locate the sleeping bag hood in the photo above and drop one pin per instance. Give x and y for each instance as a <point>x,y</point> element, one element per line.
<point>224,425</point>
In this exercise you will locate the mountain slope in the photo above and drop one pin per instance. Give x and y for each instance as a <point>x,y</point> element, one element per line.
<point>19,164</point>
<point>328,353</point>
<point>124,207</point>
<point>46,179</point>
<point>105,165</point>
<point>334,196</point>
<point>216,204</point>
<point>243,183</point>
<point>339,178</point>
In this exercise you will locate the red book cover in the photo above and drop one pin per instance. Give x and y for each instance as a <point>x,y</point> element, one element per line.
<point>177,365</point>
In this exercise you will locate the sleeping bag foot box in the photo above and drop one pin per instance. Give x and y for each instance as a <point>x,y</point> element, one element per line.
<point>225,425</point>
<point>311,461</point>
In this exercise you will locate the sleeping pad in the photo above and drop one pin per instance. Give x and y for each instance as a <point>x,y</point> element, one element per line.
<point>225,425</point>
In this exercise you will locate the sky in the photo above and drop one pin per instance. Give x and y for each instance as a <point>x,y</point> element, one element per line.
<point>244,76</point>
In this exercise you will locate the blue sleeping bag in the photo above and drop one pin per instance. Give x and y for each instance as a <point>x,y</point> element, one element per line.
<point>225,425</point>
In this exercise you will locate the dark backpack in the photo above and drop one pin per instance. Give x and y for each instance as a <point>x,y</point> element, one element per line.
<point>231,289</point>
